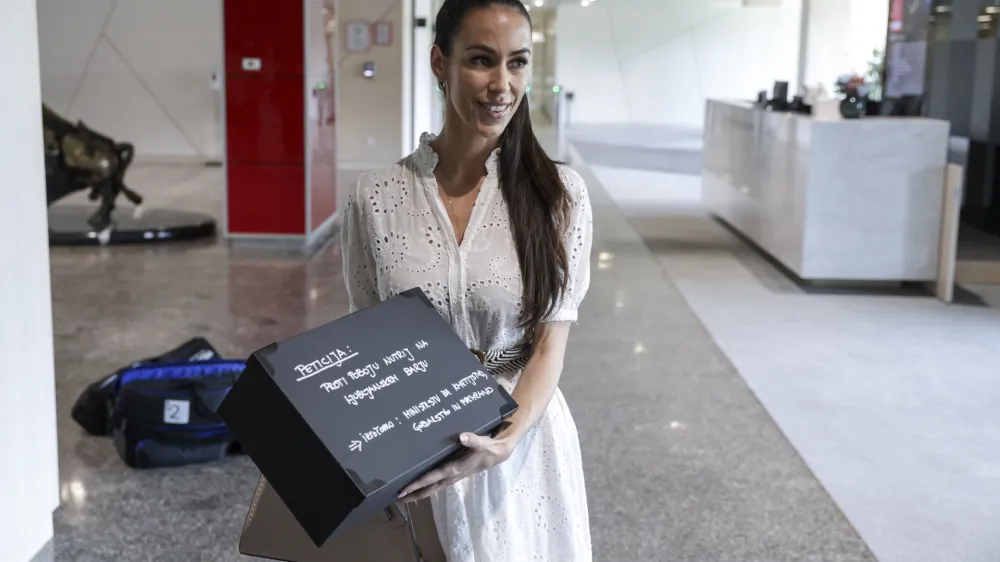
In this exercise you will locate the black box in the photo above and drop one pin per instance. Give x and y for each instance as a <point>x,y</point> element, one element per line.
<point>341,418</point>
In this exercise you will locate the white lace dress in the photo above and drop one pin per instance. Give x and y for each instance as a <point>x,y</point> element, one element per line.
<point>397,236</point>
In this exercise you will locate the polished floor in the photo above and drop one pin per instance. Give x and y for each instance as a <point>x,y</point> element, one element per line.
<point>889,396</point>
<point>683,461</point>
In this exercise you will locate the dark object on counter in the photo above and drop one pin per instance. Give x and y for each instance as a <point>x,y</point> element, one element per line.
<point>92,409</point>
<point>853,105</point>
<point>79,158</point>
<point>906,106</point>
<point>359,408</point>
<point>779,98</point>
<point>799,105</point>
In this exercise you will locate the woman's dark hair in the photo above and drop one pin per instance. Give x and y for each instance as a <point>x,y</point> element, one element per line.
<point>529,180</point>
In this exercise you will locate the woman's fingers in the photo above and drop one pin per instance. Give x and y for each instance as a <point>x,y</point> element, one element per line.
<point>430,490</point>
<point>475,442</point>
<point>421,494</point>
<point>450,470</point>
<point>424,481</point>
<point>455,470</point>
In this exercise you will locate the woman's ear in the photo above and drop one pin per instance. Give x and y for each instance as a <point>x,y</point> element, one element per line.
<point>439,65</point>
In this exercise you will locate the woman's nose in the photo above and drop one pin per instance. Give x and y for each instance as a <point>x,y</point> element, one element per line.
<point>500,80</point>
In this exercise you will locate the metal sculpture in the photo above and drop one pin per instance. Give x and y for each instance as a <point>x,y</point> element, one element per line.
<point>79,158</point>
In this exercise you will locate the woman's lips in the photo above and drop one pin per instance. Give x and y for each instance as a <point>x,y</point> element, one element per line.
<point>495,110</point>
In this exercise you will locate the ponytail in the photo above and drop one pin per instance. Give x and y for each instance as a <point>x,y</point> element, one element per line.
<point>539,209</point>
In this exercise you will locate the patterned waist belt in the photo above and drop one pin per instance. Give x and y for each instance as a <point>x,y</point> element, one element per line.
<point>500,361</point>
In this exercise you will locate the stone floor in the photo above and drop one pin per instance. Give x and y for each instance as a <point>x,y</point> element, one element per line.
<point>683,462</point>
<point>889,396</point>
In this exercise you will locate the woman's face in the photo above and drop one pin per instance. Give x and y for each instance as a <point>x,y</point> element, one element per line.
<point>487,73</point>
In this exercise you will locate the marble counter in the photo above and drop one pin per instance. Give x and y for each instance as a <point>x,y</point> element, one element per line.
<point>845,200</point>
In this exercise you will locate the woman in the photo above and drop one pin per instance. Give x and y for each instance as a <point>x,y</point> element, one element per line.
<point>499,238</point>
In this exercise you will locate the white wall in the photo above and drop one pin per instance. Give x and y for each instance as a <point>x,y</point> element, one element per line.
<point>139,70</point>
<point>842,36</point>
<point>657,61</point>
<point>29,464</point>
<point>370,112</point>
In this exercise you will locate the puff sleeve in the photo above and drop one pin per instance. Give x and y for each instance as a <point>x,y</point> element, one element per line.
<point>578,239</point>
<point>359,265</point>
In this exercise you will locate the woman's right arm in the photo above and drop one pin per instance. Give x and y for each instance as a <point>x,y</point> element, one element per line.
<point>357,253</point>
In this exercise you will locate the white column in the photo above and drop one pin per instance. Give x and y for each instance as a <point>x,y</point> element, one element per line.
<point>437,98</point>
<point>803,66</point>
<point>29,464</point>
<point>407,83</point>
<point>423,78</point>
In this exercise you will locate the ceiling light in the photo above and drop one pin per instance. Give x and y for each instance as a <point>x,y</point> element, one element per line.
<point>584,3</point>
<point>539,3</point>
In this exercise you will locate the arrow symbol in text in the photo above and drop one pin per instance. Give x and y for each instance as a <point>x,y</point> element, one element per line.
<point>355,445</point>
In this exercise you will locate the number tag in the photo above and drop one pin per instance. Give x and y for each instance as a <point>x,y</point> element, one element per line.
<point>176,411</point>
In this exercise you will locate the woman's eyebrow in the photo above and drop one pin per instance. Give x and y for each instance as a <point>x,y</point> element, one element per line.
<point>492,51</point>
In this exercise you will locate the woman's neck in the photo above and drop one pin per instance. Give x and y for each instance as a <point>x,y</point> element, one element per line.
<point>462,156</point>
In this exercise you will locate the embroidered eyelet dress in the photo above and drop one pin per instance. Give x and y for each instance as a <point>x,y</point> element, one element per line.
<point>396,235</point>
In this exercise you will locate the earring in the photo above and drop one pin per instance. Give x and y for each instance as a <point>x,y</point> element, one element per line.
<point>528,89</point>
<point>440,85</point>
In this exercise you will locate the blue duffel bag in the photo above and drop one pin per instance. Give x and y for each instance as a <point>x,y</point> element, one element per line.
<point>164,414</point>
<point>92,409</point>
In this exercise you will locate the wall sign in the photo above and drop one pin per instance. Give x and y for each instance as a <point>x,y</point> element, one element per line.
<point>251,64</point>
<point>358,37</point>
<point>383,33</point>
<point>906,48</point>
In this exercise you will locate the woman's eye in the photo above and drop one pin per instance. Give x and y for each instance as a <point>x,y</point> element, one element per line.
<point>519,63</point>
<point>483,61</point>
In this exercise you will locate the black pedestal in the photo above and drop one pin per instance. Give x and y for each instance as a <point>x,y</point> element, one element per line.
<point>68,226</point>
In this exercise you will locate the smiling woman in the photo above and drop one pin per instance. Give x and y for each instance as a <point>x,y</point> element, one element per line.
<point>499,237</point>
<point>473,88</point>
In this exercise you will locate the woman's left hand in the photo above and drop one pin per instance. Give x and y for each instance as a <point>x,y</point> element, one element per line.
<point>481,453</point>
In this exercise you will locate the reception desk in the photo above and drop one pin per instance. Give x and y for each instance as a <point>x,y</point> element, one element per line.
<point>831,200</point>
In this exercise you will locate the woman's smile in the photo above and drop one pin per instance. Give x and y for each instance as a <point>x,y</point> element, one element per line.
<point>494,111</point>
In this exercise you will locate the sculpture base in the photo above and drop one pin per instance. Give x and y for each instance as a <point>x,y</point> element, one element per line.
<point>68,226</point>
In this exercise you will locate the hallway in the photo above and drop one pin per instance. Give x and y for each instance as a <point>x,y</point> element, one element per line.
<point>683,463</point>
<point>888,395</point>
